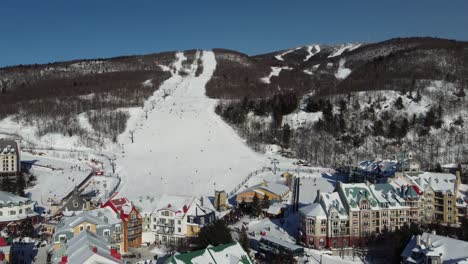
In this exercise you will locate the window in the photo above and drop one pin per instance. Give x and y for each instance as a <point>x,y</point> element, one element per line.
<point>118,228</point>
<point>62,238</point>
<point>178,222</point>
<point>1,213</point>
<point>106,232</point>
<point>75,204</point>
<point>81,228</point>
<point>20,211</point>
<point>12,212</point>
<point>88,227</point>
<point>179,230</point>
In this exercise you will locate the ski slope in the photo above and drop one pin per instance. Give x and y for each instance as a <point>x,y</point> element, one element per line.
<point>183,147</point>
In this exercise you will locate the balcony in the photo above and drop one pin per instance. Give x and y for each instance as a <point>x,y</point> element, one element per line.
<point>130,228</point>
<point>165,231</point>
<point>169,224</point>
<point>134,235</point>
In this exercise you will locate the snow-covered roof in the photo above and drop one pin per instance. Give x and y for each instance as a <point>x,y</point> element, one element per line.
<point>333,200</point>
<point>231,253</point>
<point>275,209</point>
<point>8,146</point>
<point>71,222</point>
<point>79,249</point>
<point>197,209</point>
<point>386,194</point>
<point>106,214</point>
<point>276,188</point>
<point>281,242</point>
<point>7,198</point>
<point>450,166</point>
<point>385,167</point>
<point>355,192</point>
<point>313,210</point>
<point>439,182</point>
<point>451,250</point>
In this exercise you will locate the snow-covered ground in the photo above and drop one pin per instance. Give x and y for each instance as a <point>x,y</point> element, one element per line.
<point>342,72</point>
<point>55,177</point>
<point>183,147</point>
<point>344,48</point>
<point>312,51</point>
<point>280,56</point>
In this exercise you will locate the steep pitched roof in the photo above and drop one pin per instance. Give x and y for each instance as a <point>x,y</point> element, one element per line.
<point>276,188</point>
<point>83,246</point>
<point>7,197</point>
<point>451,250</point>
<point>313,210</point>
<point>231,253</point>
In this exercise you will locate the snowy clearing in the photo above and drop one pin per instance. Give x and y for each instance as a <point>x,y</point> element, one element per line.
<point>280,56</point>
<point>342,72</point>
<point>312,51</point>
<point>183,147</point>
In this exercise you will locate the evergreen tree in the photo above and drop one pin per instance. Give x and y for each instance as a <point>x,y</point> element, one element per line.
<point>418,96</point>
<point>430,118</point>
<point>244,240</point>
<point>26,228</point>
<point>378,128</point>
<point>399,103</point>
<point>20,186</point>
<point>343,106</point>
<point>327,112</point>
<point>286,135</point>
<point>266,201</point>
<point>404,126</point>
<point>392,131</point>
<point>256,207</point>
<point>356,105</point>
<point>215,234</point>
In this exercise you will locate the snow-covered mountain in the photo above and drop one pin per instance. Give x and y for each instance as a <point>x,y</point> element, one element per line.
<point>167,103</point>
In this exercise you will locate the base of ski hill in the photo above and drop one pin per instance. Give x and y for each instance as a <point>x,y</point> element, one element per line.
<point>181,146</point>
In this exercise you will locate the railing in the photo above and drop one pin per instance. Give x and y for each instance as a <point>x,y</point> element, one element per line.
<point>165,232</point>
<point>158,223</point>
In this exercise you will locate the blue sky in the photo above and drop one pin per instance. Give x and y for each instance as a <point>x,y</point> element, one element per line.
<point>45,31</point>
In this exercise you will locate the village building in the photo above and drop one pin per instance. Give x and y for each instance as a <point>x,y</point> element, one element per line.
<point>232,253</point>
<point>78,202</point>
<point>313,225</point>
<point>274,192</point>
<point>87,247</point>
<point>10,162</point>
<point>440,195</point>
<point>432,248</point>
<point>178,218</point>
<point>14,209</point>
<point>103,222</point>
<point>131,218</point>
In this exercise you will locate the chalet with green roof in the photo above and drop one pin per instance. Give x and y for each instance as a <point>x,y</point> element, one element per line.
<point>231,253</point>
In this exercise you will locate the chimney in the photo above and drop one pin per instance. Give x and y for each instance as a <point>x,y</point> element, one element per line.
<point>64,259</point>
<point>201,200</point>
<point>94,249</point>
<point>434,232</point>
<point>317,199</point>
<point>418,240</point>
<point>428,241</point>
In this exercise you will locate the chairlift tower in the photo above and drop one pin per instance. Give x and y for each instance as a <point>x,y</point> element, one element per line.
<point>274,162</point>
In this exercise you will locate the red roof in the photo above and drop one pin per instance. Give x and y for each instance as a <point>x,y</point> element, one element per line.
<point>3,242</point>
<point>416,188</point>
<point>121,206</point>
